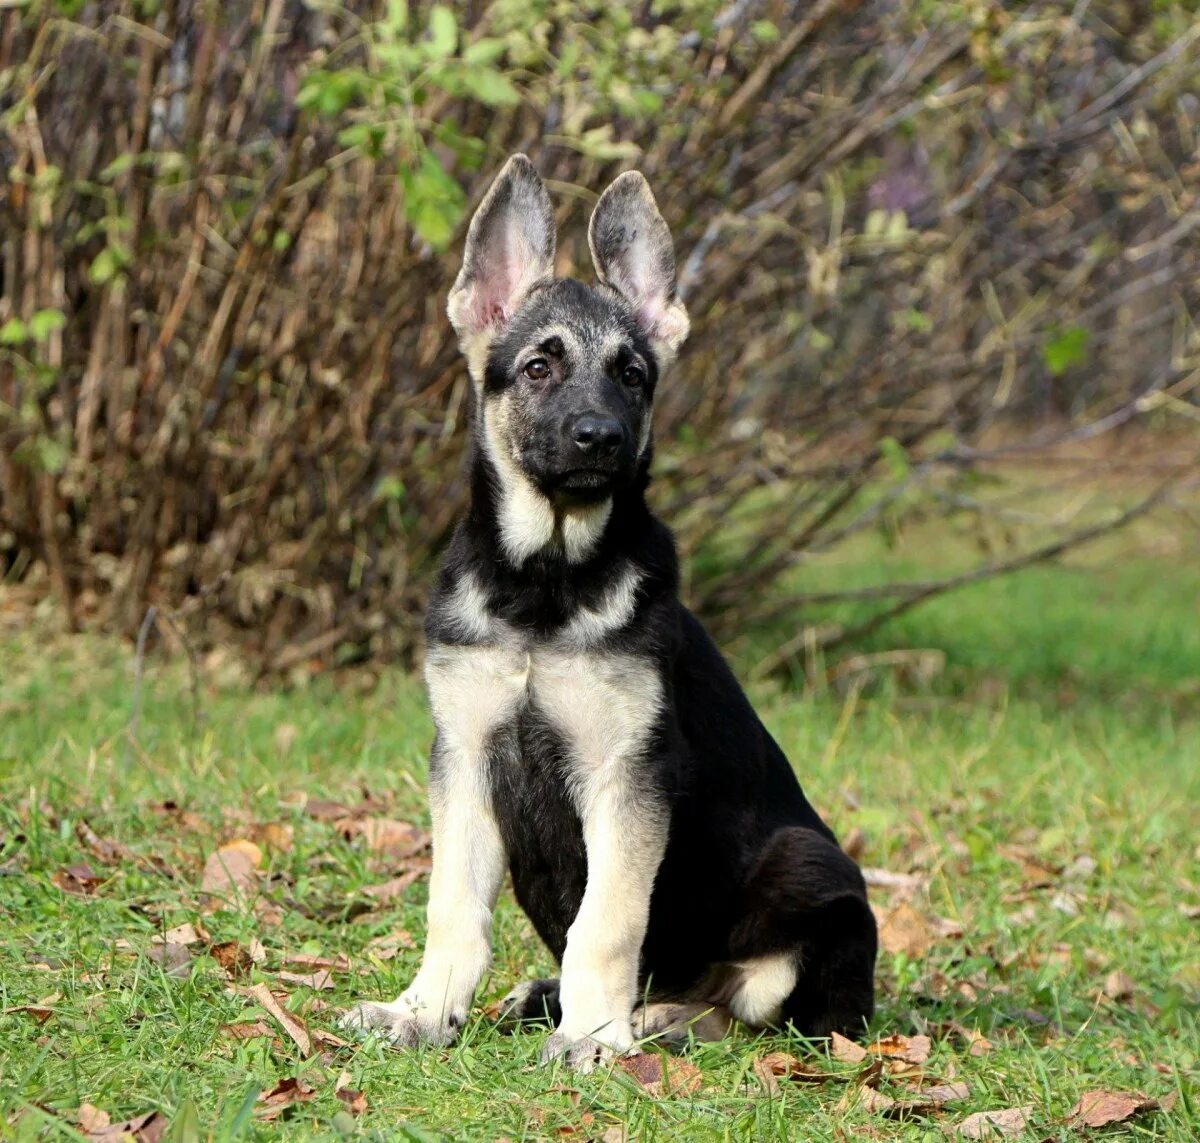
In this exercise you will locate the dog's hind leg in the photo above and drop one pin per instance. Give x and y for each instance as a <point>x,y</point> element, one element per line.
<point>805,945</point>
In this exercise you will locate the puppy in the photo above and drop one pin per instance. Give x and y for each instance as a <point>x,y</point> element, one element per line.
<point>591,741</point>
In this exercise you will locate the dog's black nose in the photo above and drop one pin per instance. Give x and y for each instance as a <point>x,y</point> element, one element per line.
<point>596,434</point>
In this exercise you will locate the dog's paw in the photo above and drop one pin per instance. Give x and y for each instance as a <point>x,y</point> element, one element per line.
<point>580,1054</point>
<point>532,1002</point>
<point>400,1022</point>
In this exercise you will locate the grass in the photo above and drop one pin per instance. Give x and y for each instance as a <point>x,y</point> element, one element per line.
<point>1066,726</point>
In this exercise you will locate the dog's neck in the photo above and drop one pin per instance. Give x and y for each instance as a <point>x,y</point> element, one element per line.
<point>516,523</point>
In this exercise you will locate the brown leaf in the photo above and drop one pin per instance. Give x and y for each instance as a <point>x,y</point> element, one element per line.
<point>147,1128</point>
<point>92,1119</point>
<point>1119,985</point>
<point>328,1039</point>
<point>339,963</point>
<point>40,1012</point>
<point>928,1102</point>
<point>904,930</point>
<point>250,1030</point>
<point>977,1043</point>
<point>385,835</point>
<point>235,958</point>
<point>1192,912</point>
<point>904,885</point>
<point>324,811</point>
<point>995,1124</point>
<point>777,1066</point>
<point>290,1023</point>
<point>279,836</point>
<point>840,1048</point>
<point>110,852</point>
<point>321,980</point>
<point>910,1049</point>
<point>386,947</point>
<point>174,960</point>
<point>185,934</point>
<point>355,1101</point>
<point>286,1093</point>
<point>394,888</point>
<point>80,879</point>
<point>662,1076</point>
<point>231,873</point>
<point>1099,1108</point>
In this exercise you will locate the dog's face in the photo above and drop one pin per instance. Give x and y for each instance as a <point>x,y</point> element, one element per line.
<point>565,373</point>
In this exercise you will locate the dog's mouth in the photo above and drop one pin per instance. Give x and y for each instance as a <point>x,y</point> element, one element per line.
<point>585,484</point>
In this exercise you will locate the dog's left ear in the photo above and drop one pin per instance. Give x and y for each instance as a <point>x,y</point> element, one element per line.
<point>632,251</point>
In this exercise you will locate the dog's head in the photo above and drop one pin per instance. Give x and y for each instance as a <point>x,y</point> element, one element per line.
<point>564,372</point>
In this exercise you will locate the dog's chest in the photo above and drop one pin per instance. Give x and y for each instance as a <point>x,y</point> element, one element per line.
<point>603,704</point>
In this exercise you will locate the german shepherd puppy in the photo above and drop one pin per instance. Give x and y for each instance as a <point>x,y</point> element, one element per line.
<point>591,741</point>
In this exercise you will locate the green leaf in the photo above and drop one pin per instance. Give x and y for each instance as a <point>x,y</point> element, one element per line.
<point>13,332</point>
<point>443,32</point>
<point>45,322</point>
<point>396,20</point>
<point>481,52</point>
<point>105,266</point>
<point>491,87</point>
<point>1068,348</point>
<point>895,457</point>
<point>433,202</point>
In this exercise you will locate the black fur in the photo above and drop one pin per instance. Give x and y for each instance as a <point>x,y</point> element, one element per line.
<point>750,868</point>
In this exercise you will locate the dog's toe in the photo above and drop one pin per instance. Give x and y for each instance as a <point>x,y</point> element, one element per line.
<point>580,1055</point>
<point>396,1022</point>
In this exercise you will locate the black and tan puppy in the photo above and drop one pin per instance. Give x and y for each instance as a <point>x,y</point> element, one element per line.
<point>591,741</point>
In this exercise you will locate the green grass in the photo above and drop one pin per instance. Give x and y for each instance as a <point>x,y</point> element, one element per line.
<point>1065,725</point>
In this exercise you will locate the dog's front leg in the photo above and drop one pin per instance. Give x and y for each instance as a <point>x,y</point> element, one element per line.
<point>625,836</point>
<point>472,692</point>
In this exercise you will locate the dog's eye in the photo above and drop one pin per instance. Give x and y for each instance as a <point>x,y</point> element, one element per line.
<point>633,375</point>
<point>537,370</point>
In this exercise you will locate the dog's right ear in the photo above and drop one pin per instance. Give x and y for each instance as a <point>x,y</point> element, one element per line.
<point>510,248</point>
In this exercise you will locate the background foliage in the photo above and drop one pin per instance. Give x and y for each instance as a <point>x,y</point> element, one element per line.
<point>915,238</point>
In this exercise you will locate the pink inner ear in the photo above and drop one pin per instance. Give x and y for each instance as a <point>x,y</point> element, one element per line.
<point>660,321</point>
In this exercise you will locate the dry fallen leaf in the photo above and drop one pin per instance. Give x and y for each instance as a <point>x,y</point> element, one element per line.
<point>910,1049</point>
<point>1119,985</point>
<point>40,1012</point>
<point>906,885</point>
<point>174,960</point>
<point>325,811</point>
<point>237,959</point>
<point>355,1101</point>
<point>80,879</point>
<point>1100,1108</point>
<point>283,1095</point>
<point>339,963</point>
<point>385,835</point>
<point>274,835</point>
<point>288,1021</point>
<point>250,1030</point>
<point>92,1119</point>
<point>185,934</point>
<point>977,1043</point>
<point>231,873</point>
<point>386,947</point>
<point>662,1076</point>
<point>777,1066</point>
<point>320,980</point>
<point>394,888</point>
<point>995,1124</point>
<point>846,1050</point>
<point>926,1103</point>
<point>104,850</point>
<point>904,930</point>
<point>147,1128</point>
